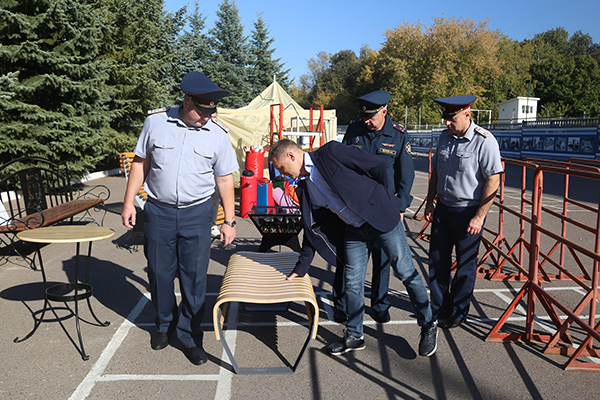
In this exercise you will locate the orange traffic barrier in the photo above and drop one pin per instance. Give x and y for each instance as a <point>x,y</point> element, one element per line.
<point>543,226</point>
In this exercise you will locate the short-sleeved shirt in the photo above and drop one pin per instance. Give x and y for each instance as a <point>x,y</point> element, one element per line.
<point>463,165</point>
<point>183,160</point>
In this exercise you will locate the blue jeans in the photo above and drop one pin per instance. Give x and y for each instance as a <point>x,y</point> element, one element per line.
<point>396,248</point>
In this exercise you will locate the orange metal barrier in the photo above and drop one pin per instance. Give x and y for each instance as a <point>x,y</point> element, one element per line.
<point>494,246</point>
<point>561,341</point>
<point>416,215</point>
<point>274,126</point>
<point>319,126</point>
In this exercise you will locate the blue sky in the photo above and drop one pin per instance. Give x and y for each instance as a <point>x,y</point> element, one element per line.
<point>303,28</point>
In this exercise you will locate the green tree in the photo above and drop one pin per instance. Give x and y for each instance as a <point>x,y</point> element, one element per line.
<point>368,60</point>
<point>336,85</point>
<point>229,56</point>
<point>55,102</point>
<point>316,66</point>
<point>515,60</point>
<point>566,73</point>
<point>263,68</point>
<point>452,56</point>
<point>140,43</point>
<point>193,43</point>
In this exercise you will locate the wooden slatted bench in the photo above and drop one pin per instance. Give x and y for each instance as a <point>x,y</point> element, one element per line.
<point>36,192</point>
<point>259,278</point>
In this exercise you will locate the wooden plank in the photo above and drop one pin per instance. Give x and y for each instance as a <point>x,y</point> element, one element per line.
<point>51,215</point>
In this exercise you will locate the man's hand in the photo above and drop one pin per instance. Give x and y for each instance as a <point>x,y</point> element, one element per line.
<point>128,215</point>
<point>227,234</point>
<point>475,225</point>
<point>429,211</point>
<point>292,276</point>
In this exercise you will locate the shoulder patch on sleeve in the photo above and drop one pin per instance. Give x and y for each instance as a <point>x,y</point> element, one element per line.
<point>482,132</point>
<point>220,124</point>
<point>408,148</point>
<point>399,128</point>
<point>157,110</point>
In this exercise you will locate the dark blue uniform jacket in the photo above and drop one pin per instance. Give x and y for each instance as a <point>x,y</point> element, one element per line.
<point>360,179</point>
<point>391,144</point>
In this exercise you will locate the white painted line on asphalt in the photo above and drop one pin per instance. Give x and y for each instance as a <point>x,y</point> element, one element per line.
<point>508,300</point>
<point>225,376</point>
<point>223,391</point>
<point>133,377</point>
<point>88,383</point>
<point>546,322</point>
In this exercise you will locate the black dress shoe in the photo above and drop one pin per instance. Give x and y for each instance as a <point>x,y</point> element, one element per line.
<point>449,323</point>
<point>159,341</point>
<point>382,316</point>
<point>196,355</point>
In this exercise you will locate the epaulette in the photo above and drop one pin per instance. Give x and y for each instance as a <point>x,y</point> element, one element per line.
<point>220,124</point>
<point>482,132</point>
<point>157,110</point>
<point>354,121</point>
<point>399,128</point>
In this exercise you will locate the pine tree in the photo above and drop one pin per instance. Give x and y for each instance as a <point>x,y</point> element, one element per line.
<point>54,103</point>
<point>263,68</point>
<point>192,46</point>
<point>141,45</point>
<point>227,65</point>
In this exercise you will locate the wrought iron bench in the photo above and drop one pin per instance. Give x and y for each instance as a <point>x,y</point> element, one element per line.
<point>35,192</point>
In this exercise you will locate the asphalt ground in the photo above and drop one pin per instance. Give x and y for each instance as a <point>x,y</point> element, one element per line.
<point>123,366</point>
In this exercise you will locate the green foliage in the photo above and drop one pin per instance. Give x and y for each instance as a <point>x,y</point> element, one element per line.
<point>336,85</point>
<point>229,56</point>
<point>418,63</point>
<point>192,46</point>
<point>263,68</point>
<point>54,104</point>
<point>566,74</point>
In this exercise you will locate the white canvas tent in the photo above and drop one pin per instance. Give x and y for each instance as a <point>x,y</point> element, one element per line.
<point>250,124</point>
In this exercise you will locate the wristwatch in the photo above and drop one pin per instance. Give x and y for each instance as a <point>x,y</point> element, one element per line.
<point>230,223</point>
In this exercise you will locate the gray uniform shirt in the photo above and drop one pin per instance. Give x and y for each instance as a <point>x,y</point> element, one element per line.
<point>463,164</point>
<point>183,160</point>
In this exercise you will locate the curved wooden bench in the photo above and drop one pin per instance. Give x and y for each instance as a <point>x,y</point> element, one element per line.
<point>259,278</point>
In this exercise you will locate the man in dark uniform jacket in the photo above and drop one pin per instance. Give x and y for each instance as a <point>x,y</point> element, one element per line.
<point>346,208</point>
<point>376,133</point>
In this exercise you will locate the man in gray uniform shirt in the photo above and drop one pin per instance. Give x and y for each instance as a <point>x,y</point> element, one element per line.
<point>181,154</point>
<point>465,175</point>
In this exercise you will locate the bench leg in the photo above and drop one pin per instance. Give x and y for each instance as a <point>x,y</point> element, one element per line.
<point>267,370</point>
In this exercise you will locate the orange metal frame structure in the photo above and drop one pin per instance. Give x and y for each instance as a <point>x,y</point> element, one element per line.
<point>560,342</point>
<point>534,267</point>
<point>276,123</point>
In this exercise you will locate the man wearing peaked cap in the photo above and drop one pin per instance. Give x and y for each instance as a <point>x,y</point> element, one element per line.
<point>453,105</point>
<point>465,175</point>
<point>205,94</point>
<point>375,132</point>
<point>181,156</point>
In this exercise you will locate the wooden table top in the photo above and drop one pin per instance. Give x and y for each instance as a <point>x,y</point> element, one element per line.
<point>66,234</point>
